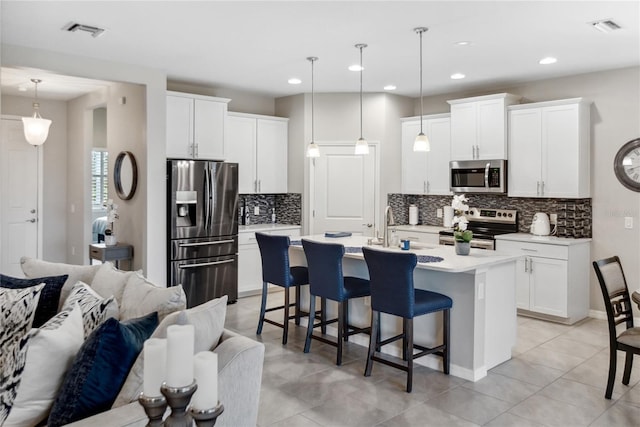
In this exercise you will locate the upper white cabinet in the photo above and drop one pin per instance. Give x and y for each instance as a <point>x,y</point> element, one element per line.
<point>549,149</point>
<point>426,173</point>
<point>479,127</point>
<point>259,145</point>
<point>195,126</point>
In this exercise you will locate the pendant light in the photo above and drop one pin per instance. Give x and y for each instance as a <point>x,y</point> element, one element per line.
<point>36,129</point>
<point>312,149</point>
<point>362,147</point>
<point>421,142</point>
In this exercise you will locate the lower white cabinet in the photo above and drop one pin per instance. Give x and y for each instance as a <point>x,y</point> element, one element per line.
<point>552,281</point>
<point>249,260</point>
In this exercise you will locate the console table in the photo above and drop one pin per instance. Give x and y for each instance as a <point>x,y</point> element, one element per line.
<point>118,252</point>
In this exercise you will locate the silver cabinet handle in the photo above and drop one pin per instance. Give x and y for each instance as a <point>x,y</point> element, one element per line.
<point>259,185</point>
<point>530,266</point>
<point>424,186</point>
<point>217,242</point>
<point>542,186</point>
<point>537,188</point>
<point>526,262</point>
<point>195,147</point>
<point>529,250</point>
<point>205,264</point>
<point>473,151</point>
<point>428,187</point>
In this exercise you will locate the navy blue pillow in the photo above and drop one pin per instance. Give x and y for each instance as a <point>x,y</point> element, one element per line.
<point>100,369</point>
<point>49,297</point>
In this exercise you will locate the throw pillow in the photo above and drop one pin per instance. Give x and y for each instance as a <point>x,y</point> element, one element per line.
<point>17,308</point>
<point>49,297</point>
<point>95,309</point>
<point>208,321</point>
<point>50,351</point>
<point>141,297</point>
<point>33,268</point>
<point>110,281</point>
<point>100,368</point>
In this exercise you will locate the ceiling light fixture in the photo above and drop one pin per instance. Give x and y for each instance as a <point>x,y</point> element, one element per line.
<point>390,87</point>
<point>355,67</point>
<point>421,142</point>
<point>72,27</point>
<point>312,149</point>
<point>362,147</point>
<point>294,81</point>
<point>36,129</point>
<point>457,76</point>
<point>463,43</point>
<point>548,60</point>
<point>605,25</point>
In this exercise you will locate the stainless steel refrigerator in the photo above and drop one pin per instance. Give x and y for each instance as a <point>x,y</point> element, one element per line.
<point>202,219</point>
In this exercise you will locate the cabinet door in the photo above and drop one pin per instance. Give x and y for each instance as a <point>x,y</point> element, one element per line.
<point>414,164</point>
<point>179,127</point>
<point>492,138</point>
<point>208,131</point>
<point>560,151</point>
<point>271,155</point>
<point>249,268</point>
<point>548,283</point>
<point>522,284</point>
<point>240,147</point>
<point>463,131</point>
<point>439,133</point>
<point>524,166</point>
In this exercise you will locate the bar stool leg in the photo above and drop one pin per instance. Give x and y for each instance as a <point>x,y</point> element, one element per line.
<point>312,309</point>
<point>345,329</point>
<point>323,315</point>
<point>409,335</point>
<point>297,312</point>
<point>285,333</point>
<point>341,326</point>
<point>374,339</point>
<point>446,333</point>
<point>404,339</point>
<point>263,308</point>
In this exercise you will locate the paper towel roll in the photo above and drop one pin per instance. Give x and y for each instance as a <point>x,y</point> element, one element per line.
<point>413,214</point>
<point>447,218</point>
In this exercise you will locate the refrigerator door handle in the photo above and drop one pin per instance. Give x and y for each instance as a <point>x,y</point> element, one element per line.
<point>218,242</point>
<point>205,264</point>
<point>207,196</point>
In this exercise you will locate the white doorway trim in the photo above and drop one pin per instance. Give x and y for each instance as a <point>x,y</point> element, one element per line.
<point>311,189</point>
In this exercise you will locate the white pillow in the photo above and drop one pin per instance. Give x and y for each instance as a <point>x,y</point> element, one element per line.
<point>50,352</point>
<point>110,281</point>
<point>95,309</point>
<point>141,297</point>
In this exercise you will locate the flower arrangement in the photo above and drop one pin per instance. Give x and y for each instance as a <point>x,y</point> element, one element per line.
<point>460,221</point>
<point>112,215</point>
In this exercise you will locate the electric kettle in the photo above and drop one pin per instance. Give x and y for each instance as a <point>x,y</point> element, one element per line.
<point>540,224</point>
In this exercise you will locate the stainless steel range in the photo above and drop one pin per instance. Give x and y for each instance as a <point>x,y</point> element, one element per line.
<point>485,224</point>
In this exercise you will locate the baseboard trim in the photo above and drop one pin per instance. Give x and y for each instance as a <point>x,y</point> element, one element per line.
<point>602,315</point>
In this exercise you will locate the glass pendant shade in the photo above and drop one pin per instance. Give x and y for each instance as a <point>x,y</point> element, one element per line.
<point>36,129</point>
<point>313,150</point>
<point>421,143</point>
<point>362,147</point>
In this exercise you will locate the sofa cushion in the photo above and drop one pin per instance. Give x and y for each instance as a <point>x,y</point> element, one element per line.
<point>100,368</point>
<point>49,297</point>
<point>32,268</point>
<point>17,309</point>
<point>110,281</point>
<point>208,321</point>
<point>95,309</point>
<point>142,297</point>
<point>50,351</point>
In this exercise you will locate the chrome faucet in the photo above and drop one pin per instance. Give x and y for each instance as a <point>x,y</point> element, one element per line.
<point>388,220</point>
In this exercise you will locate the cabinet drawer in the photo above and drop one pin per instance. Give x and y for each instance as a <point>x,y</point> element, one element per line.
<point>247,238</point>
<point>534,249</point>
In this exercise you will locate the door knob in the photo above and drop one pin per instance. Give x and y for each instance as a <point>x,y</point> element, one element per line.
<point>368,225</point>
<point>31,220</point>
<point>32,211</point>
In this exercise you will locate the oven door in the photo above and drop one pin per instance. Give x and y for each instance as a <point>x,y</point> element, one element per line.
<point>478,176</point>
<point>475,243</point>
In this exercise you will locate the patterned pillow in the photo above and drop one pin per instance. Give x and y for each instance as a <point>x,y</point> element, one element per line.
<point>141,297</point>
<point>17,308</point>
<point>49,298</point>
<point>95,309</point>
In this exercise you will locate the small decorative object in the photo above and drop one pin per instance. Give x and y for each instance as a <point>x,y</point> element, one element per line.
<point>206,417</point>
<point>178,399</point>
<point>154,407</point>
<point>626,165</point>
<point>461,235</point>
<point>110,238</point>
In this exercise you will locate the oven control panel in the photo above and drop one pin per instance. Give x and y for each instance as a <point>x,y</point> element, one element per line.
<point>505,216</point>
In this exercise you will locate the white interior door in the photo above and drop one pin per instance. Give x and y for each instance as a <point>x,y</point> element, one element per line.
<point>344,190</point>
<point>19,227</point>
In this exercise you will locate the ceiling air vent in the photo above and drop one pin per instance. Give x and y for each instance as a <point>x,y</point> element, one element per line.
<point>74,26</point>
<point>605,25</point>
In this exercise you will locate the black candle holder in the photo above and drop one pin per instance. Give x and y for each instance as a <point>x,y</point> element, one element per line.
<point>206,417</point>
<point>178,399</point>
<point>154,407</point>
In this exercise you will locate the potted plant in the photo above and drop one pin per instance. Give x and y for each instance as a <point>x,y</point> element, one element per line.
<point>461,235</point>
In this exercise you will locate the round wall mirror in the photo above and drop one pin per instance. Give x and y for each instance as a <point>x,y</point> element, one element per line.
<point>125,175</point>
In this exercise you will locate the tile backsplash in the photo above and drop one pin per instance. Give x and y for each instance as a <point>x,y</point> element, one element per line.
<point>574,215</point>
<point>288,208</point>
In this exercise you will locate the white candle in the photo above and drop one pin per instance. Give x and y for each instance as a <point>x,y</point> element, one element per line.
<point>206,374</point>
<point>180,347</point>
<point>155,365</point>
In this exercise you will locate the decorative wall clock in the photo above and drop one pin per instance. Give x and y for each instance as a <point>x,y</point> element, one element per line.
<point>627,165</point>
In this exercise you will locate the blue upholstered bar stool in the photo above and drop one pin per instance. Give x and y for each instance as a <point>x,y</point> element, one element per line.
<point>392,292</point>
<point>274,251</point>
<point>327,281</point>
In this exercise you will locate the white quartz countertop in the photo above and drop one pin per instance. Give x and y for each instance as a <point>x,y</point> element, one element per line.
<point>548,240</point>
<point>432,229</point>
<point>266,227</point>
<point>451,263</point>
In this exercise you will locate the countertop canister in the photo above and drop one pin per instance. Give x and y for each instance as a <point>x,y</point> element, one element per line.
<point>413,215</point>
<point>447,218</point>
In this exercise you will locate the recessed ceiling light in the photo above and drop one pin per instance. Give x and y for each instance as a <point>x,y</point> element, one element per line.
<point>355,67</point>
<point>390,87</point>
<point>22,88</point>
<point>548,60</point>
<point>463,43</point>
<point>457,76</point>
<point>294,81</point>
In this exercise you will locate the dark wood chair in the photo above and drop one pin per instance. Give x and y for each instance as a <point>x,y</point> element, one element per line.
<point>618,304</point>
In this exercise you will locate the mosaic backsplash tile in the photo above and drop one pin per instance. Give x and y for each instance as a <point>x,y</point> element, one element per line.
<point>288,208</point>
<point>574,215</point>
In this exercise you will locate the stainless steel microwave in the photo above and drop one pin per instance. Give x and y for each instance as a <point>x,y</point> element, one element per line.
<point>478,176</point>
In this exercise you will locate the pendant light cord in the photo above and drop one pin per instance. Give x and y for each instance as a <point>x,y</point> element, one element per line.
<point>361,47</point>
<point>421,102</point>
<point>312,130</point>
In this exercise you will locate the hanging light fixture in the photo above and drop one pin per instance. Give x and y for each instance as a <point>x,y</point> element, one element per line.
<point>362,147</point>
<point>312,149</point>
<point>36,129</point>
<point>421,142</point>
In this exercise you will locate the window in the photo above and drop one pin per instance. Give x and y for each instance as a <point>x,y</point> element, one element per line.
<point>99,178</point>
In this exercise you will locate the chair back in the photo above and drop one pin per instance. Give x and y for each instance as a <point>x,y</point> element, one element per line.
<point>391,278</point>
<point>274,251</point>
<point>324,261</point>
<point>615,293</point>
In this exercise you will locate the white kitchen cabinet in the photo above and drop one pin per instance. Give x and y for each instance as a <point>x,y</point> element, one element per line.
<point>549,149</point>
<point>426,173</point>
<point>479,127</point>
<point>195,126</point>
<point>415,235</point>
<point>259,145</point>
<point>552,280</point>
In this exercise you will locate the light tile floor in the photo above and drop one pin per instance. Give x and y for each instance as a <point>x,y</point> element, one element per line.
<point>557,377</point>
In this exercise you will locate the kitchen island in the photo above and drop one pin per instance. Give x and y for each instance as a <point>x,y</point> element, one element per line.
<point>483,316</point>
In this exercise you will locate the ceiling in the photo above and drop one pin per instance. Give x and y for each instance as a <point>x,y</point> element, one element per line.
<point>258,46</point>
